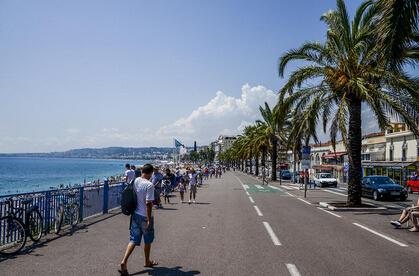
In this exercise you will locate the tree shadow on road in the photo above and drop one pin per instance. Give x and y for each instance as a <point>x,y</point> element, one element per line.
<point>167,271</point>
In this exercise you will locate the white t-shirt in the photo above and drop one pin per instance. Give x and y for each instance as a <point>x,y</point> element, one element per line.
<point>192,181</point>
<point>145,193</point>
<point>130,175</point>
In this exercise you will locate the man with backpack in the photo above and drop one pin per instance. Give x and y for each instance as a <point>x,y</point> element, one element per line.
<point>142,224</point>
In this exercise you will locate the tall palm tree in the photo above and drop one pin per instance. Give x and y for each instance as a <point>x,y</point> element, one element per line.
<point>346,71</point>
<point>270,125</point>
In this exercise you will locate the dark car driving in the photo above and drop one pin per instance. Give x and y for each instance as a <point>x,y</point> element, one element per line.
<point>379,187</point>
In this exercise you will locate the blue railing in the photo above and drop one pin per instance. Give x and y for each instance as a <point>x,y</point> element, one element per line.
<point>93,200</point>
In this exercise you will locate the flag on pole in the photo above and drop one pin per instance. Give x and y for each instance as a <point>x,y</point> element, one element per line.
<point>178,144</point>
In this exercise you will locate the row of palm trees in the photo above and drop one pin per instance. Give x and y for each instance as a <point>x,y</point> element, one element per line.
<point>363,63</point>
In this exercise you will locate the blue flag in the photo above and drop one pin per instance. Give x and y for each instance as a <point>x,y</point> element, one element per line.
<point>178,144</point>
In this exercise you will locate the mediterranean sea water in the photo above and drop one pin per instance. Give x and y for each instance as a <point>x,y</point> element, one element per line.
<point>28,174</point>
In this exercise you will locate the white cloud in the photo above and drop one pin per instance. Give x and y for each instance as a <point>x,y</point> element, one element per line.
<point>221,115</point>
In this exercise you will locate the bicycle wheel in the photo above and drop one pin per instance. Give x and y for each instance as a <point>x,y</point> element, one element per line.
<point>12,235</point>
<point>58,222</point>
<point>35,225</point>
<point>74,214</point>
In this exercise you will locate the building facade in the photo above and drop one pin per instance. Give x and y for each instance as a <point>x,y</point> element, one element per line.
<point>394,153</point>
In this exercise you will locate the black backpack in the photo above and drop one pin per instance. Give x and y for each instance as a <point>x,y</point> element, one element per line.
<point>129,199</point>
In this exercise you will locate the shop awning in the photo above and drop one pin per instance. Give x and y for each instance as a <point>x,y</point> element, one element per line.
<point>333,155</point>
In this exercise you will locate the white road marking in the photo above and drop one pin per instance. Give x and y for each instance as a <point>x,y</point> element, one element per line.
<point>290,194</point>
<point>293,270</point>
<point>288,188</point>
<point>251,199</point>
<point>333,214</point>
<point>338,190</point>
<point>247,193</point>
<point>276,188</point>
<point>332,192</point>
<point>258,211</point>
<point>246,186</point>
<point>380,235</point>
<point>271,233</point>
<point>259,187</point>
<point>305,201</point>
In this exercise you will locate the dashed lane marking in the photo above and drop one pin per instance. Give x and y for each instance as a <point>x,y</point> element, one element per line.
<point>290,194</point>
<point>305,201</point>
<point>336,193</point>
<point>293,270</point>
<point>331,213</point>
<point>251,199</point>
<point>288,188</point>
<point>276,188</point>
<point>245,186</point>
<point>380,235</point>
<point>258,211</point>
<point>271,233</point>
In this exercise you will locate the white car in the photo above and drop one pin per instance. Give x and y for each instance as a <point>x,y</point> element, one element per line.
<point>325,180</point>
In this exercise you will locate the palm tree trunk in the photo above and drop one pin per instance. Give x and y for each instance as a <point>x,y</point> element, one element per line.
<point>294,166</point>
<point>250,166</point>
<point>264,157</point>
<point>257,165</point>
<point>354,153</point>
<point>274,156</point>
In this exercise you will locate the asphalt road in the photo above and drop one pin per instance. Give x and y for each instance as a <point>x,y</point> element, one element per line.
<point>237,227</point>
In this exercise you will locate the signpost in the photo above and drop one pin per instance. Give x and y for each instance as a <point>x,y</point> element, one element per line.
<point>305,165</point>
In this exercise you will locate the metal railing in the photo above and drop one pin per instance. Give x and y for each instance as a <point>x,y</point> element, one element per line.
<point>93,200</point>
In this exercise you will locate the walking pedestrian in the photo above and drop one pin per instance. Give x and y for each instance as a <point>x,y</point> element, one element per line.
<point>129,174</point>
<point>192,185</point>
<point>142,225</point>
<point>182,189</point>
<point>156,179</point>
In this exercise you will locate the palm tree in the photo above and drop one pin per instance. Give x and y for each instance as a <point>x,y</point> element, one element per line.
<point>398,36</point>
<point>270,126</point>
<point>347,70</point>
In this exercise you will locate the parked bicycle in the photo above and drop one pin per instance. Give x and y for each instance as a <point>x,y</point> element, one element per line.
<point>67,212</point>
<point>18,224</point>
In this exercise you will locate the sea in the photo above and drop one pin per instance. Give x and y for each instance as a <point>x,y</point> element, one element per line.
<point>34,174</point>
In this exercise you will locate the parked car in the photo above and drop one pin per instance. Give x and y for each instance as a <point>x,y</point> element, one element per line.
<point>413,184</point>
<point>325,180</point>
<point>286,175</point>
<point>378,187</point>
<point>295,177</point>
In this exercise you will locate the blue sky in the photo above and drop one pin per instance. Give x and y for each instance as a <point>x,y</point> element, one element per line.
<point>138,73</point>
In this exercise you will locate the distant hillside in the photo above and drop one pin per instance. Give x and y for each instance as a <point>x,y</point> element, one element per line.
<point>107,153</point>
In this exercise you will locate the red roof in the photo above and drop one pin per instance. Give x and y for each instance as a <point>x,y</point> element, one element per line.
<point>332,155</point>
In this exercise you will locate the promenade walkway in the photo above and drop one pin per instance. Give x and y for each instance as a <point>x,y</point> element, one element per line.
<point>238,227</point>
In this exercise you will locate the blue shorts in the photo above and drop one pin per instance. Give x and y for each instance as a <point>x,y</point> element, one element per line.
<point>139,229</point>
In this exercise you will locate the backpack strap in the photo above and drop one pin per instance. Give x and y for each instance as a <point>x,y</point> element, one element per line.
<point>130,222</point>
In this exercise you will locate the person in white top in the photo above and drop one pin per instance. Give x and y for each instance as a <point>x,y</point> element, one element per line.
<point>129,174</point>
<point>142,220</point>
<point>192,185</point>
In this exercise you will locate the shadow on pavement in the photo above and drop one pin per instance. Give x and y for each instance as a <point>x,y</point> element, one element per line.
<point>166,271</point>
<point>79,229</point>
